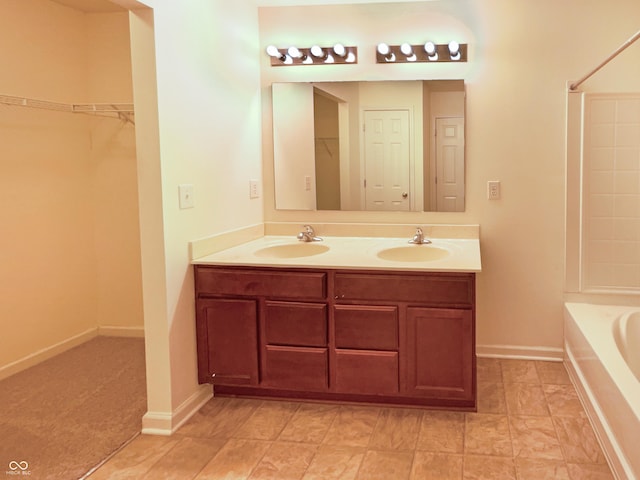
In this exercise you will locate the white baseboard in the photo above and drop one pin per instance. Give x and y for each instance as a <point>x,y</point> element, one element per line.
<point>520,353</point>
<point>112,331</point>
<point>166,423</point>
<point>46,353</point>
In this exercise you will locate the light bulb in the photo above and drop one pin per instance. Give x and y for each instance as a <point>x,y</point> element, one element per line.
<point>339,50</point>
<point>273,51</point>
<point>383,49</point>
<point>406,49</point>
<point>431,50</point>
<point>317,52</point>
<point>329,59</point>
<point>351,58</point>
<point>454,50</point>
<point>294,52</point>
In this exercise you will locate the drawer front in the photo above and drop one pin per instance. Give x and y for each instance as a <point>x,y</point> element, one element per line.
<point>301,324</point>
<point>366,372</point>
<point>295,368</point>
<point>275,284</point>
<point>366,327</point>
<point>438,289</point>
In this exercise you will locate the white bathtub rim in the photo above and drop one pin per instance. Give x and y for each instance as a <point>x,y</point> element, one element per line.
<point>617,367</point>
<point>595,325</point>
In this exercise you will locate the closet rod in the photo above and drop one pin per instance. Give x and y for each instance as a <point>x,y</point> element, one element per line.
<point>122,109</point>
<point>607,60</point>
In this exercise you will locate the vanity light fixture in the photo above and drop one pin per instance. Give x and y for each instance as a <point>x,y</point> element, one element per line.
<point>315,55</point>
<point>427,52</point>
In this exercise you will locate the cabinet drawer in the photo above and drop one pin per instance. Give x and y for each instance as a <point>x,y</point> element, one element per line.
<point>302,324</point>
<point>296,368</point>
<point>367,372</point>
<point>274,283</point>
<point>437,289</point>
<point>366,327</point>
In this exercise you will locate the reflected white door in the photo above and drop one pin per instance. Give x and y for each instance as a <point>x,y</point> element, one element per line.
<point>387,159</point>
<point>450,164</point>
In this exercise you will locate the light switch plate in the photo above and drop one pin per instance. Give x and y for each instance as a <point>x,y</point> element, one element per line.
<point>493,189</point>
<point>185,192</point>
<point>254,189</point>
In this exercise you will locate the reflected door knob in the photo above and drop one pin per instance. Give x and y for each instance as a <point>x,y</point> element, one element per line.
<point>405,194</point>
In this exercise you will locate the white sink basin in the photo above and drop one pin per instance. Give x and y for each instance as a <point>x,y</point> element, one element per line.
<point>292,250</point>
<point>413,253</point>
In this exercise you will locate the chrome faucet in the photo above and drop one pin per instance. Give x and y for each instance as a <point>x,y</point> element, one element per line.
<point>418,238</point>
<point>308,235</point>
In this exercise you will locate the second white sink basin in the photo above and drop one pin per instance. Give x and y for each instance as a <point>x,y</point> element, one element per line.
<point>413,253</point>
<point>292,250</point>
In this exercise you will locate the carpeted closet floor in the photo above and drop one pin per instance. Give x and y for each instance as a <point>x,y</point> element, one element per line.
<point>64,416</point>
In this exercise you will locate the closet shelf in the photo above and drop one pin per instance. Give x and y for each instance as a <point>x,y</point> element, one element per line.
<point>123,111</point>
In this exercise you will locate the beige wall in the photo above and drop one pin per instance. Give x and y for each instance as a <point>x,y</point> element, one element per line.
<point>521,55</point>
<point>68,215</point>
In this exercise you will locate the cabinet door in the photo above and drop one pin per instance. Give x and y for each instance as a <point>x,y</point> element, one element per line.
<point>440,353</point>
<point>227,342</point>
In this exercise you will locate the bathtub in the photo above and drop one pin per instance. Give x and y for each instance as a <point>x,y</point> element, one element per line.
<point>602,350</point>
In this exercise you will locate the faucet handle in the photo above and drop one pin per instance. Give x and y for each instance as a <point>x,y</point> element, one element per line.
<point>309,230</point>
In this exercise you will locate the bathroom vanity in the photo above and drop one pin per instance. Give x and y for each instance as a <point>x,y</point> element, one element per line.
<point>308,327</point>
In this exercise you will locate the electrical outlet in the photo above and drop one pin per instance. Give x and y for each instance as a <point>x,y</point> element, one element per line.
<point>254,189</point>
<point>185,193</point>
<point>307,183</point>
<point>493,189</point>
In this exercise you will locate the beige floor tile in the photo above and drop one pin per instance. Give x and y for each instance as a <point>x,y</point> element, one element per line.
<point>335,462</point>
<point>379,465</point>
<point>396,429</point>
<point>482,467</point>
<point>436,466</point>
<point>519,371</point>
<point>563,400</point>
<point>267,421</point>
<point>138,457</point>
<point>235,461</point>
<point>310,423</point>
<point>535,469</point>
<point>219,418</point>
<point>491,398</point>
<point>487,434</point>
<point>441,432</point>
<point>489,370</point>
<point>577,440</point>
<point>284,461</point>
<point>525,399</point>
<point>534,437</point>
<point>553,373</point>
<point>185,460</point>
<point>352,426</point>
<point>589,472</point>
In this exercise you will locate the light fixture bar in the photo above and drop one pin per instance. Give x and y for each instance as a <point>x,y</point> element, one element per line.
<point>433,53</point>
<point>315,55</point>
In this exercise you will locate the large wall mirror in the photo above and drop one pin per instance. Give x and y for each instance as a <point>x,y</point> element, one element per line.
<point>391,145</point>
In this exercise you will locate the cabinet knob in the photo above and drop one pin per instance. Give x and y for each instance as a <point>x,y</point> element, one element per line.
<point>339,296</point>
<point>405,194</point>
<point>213,375</point>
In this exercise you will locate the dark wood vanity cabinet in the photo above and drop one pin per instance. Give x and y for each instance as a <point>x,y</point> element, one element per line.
<point>371,336</point>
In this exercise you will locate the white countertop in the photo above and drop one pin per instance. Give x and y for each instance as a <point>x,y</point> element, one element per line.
<point>351,253</point>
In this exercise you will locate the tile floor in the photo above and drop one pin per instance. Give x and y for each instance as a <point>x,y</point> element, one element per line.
<point>530,425</point>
